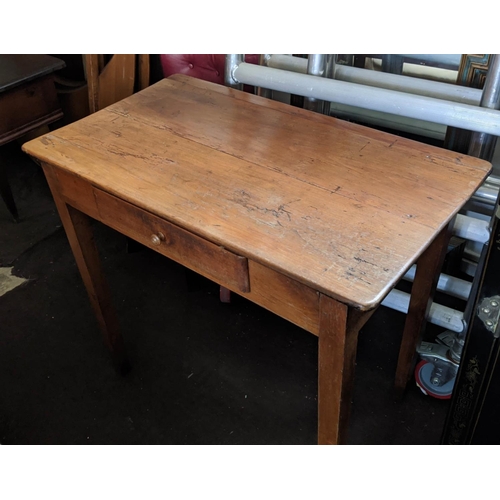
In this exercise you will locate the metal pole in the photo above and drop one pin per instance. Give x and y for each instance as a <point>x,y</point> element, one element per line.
<point>267,93</point>
<point>232,61</point>
<point>412,85</point>
<point>330,66</point>
<point>316,66</point>
<point>392,63</point>
<point>486,194</point>
<point>482,144</point>
<point>493,180</point>
<point>398,103</point>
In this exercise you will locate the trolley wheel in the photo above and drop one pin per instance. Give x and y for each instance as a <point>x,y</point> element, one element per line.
<point>423,372</point>
<point>225,295</point>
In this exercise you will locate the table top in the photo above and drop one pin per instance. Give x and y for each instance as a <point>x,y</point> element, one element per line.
<point>343,208</point>
<point>17,69</point>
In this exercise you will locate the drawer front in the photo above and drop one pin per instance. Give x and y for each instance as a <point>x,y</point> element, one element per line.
<point>28,106</point>
<point>210,260</point>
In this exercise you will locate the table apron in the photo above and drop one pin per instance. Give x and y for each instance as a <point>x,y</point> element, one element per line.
<point>275,291</point>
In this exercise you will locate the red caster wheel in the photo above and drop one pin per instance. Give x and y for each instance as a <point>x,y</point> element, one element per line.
<point>423,374</point>
<point>225,295</point>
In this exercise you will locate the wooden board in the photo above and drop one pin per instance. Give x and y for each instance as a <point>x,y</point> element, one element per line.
<point>339,207</point>
<point>113,82</point>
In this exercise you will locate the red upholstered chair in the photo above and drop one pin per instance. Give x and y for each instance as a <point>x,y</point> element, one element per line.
<point>209,67</point>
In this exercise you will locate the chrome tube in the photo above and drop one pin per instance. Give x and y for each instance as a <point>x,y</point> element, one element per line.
<point>398,103</point>
<point>491,90</point>
<point>316,66</point>
<point>330,66</point>
<point>486,194</point>
<point>493,180</point>
<point>482,144</point>
<point>232,61</point>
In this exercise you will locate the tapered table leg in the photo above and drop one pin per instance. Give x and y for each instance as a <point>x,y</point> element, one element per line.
<point>6,193</point>
<point>422,294</point>
<point>338,338</point>
<point>81,239</point>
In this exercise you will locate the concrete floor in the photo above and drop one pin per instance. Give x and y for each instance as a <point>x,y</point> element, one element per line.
<point>203,372</point>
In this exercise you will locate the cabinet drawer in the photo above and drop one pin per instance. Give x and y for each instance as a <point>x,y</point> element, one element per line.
<point>200,255</point>
<point>26,107</point>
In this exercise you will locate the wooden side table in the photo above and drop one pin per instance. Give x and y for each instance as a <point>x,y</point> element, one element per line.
<point>28,100</point>
<point>313,218</point>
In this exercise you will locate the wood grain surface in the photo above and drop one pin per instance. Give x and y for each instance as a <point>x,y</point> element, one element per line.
<point>341,208</point>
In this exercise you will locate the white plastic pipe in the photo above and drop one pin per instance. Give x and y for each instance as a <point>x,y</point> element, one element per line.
<point>401,83</point>
<point>452,60</point>
<point>468,267</point>
<point>438,315</point>
<point>389,101</point>
<point>376,118</point>
<point>450,285</point>
<point>471,228</point>
<point>288,63</point>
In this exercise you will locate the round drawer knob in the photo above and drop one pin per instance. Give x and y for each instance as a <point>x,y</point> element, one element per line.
<point>157,238</point>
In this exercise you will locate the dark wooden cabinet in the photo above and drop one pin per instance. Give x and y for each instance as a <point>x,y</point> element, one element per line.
<point>28,100</point>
